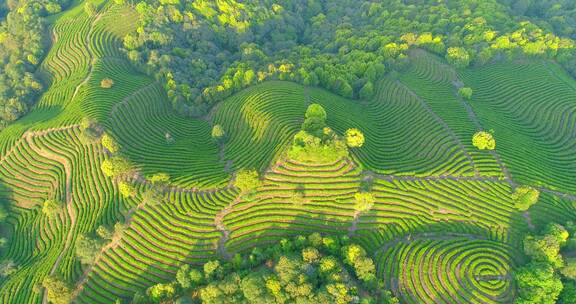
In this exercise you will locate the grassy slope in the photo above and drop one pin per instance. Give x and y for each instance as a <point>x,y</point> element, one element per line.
<point>418,132</point>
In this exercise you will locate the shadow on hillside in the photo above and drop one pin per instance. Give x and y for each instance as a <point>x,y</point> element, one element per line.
<point>376,237</point>
<point>6,229</point>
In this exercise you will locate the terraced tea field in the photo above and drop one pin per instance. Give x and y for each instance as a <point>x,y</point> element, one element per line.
<point>443,228</point>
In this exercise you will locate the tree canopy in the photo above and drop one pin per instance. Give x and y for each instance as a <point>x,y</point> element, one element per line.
<point>354,138</point>
<point>484,141</point>
<point>247,180</point>
<point>115,166</point>
<point>547,278</point>
<point>22,48</point>
<point>322,269</point>
<point>205,51</point>
<point>524,197</point>
<point>59,292</point>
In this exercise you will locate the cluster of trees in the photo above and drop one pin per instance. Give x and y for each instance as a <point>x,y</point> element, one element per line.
<point>117,165</point>
<point>549,278</point>
<point>312,269</point>
<point>560,15</point>
<point>59,291</point>
<point>318,143</point>
<point>22,47</point>
<point>89,246</point>
<point>205,51</point>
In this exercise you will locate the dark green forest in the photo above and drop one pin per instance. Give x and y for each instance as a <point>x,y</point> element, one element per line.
<point>204,51</point>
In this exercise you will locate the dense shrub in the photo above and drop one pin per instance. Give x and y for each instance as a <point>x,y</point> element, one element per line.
<point>312,269</point>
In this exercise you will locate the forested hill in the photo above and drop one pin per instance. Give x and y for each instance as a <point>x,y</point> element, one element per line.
<point>558,15</point>
<point>23,43</point>
<point>204,51</point>
<point>306,151</point>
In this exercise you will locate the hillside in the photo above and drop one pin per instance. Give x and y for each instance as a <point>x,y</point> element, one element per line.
<point>443,225</point>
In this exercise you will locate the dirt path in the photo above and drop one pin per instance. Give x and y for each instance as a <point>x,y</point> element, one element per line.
<point>219,224</point>
<point>91,56</point>
<point>474,118</point>
<point>11,150</point>
<point>443,123</point>
<point>354,226</point>
<point>307,99</point>
<point>33,133</point>
<point>413,178</point>
<point>113,244</point>
<point>526,215</point>
<point>68,188</point>
<point>127,98</point>
<point>426,236</point>
<point>167,189</point>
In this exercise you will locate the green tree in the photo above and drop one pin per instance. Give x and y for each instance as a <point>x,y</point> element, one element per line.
<point>160,293</point>
<point>311,255</point>
<point>247,180</point>
<point>315,119</point>
<point>364,201</point>
<point>465,93</point>
<point>458,57</point>
<point>484,141</point>
<point>212,269</point>
<point>3,213</point>
<point>183,276</point>
<point>59,292</point>
<point>106,83</point>
<point>7,267</point>
<point>569,269</point>
<point>524,197</point>
<point>160,178</point>
<point>110,143</point>
<point>367,91</point>
<point>196,277</point>
<point>51,207</point>
<point>104,232</point>
<point>115,166</point>
<point>87,249</point>
<point>537,283</point>
<point>218,132</point>
<point>253,287</point>
<point>365,269</point>
<point>543,249</point>
<point>354,138</point>
<point>90,8</point>
<point>568,295</point>
<point>126,189</point>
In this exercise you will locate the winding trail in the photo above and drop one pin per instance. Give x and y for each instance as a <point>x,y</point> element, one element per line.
<point>307,99</point>
<point>219,224</point>
<point>474,118</point>
<point>111,245</point>
<point>492,179</point>
<point>127,98</point>
<point>68,188</point>
<point>456,178</point>
<point>443,123</point>
<point>528,218</point>
<point>354,226</point>
<point>426,236</point>
<point>91,56</point>
<point>136,177</point>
